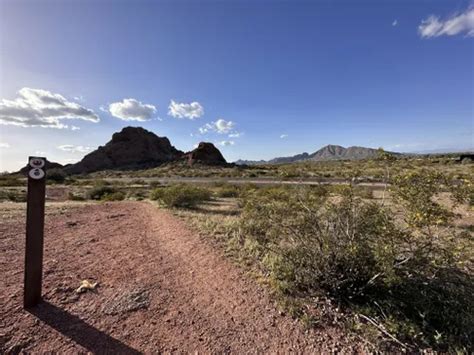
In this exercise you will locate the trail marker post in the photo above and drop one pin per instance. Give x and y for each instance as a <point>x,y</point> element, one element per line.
<point>34,231</point>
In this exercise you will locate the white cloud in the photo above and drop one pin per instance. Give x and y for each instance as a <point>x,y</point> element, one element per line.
<point>220,126</point>
<point>395,22</point>
<point>283,136</point>
<point>223,126</point>
<point>75,128</point>
<point>433,26</point>
<point>182,110</point>
<point>132,110</point>
<point>42,108</point>
<point>226,143</point>
<point>4,145</point>
<point>206,128</point>
<point>40,153</point>
<point>235,135</point>
<point>74,148</point>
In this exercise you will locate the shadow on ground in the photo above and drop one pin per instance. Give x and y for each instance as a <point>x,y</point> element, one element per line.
<point>71,326</point>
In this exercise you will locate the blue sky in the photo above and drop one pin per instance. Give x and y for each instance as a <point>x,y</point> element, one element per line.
<point>289,76</point>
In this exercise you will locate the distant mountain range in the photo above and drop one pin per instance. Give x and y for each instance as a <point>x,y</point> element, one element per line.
<point>329,152</point>
<point>136,148</point>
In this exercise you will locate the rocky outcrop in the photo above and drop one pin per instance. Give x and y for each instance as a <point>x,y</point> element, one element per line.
<point>205,153</point>
<point>131,148</point>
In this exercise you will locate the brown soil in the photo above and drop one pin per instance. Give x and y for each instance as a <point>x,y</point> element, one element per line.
<point>161,289</point>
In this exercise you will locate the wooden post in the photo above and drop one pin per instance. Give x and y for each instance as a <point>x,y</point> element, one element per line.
<point>34,231</point>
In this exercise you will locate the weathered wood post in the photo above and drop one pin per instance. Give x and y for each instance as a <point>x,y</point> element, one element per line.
<point>34,231</point>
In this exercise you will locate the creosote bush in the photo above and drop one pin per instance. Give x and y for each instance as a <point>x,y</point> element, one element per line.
<point>114,196</point>
<point>228,190</point>
<point>181,195</point>
<point>13,195</point>
<point>102,191</point>
<point>7,180</point>
<point>412,274</point>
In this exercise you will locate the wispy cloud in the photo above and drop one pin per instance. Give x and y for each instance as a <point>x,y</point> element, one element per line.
<point>4,145</point>
<point>283,136</point>
<point>132,110</point>
<point>182,110</point>
<point>461,23</point>
<point>74,148</point>
<point>395,23</point>
<point>226,143</point>
<point>220,126</point>
<point>235,134</point>
<point>42,108</point>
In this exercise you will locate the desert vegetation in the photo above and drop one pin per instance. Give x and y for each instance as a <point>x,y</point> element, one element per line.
<point>180,195</point>
<point>392,262</point>
<point>400,266</point>
<point>364,170</point>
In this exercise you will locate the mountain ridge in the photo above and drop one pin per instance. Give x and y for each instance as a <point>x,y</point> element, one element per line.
<point>326,153</point>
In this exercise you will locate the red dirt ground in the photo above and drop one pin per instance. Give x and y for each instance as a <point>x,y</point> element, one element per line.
<point>161,289</point>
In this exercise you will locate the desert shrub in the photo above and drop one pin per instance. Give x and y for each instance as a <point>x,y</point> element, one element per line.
<point>56,175</point>
<point>138,182</point>
<point>312,243</point>
<point>413,276</point>
<point>138,194</point>
<point>114,196</point>
<point>155,184</point>
<point>228,190</point>
<point>181,195</point>
<point>98,182</point>
<point>13,195</point>
<point>99,192</point>
<point>364,192</point>
<point>6,180</point>
<point>73,197</point>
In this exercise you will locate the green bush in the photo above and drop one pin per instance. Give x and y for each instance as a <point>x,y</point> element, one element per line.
<point>6,180</point>
<point>414,277</point>
<point>13,195</point>
<point>228,190</point>
<point>114,196</point>
<point>101,192</point>
<point>182,195</point>
<point>314,243</point>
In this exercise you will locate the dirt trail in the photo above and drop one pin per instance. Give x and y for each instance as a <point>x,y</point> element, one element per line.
<point>161,289</point>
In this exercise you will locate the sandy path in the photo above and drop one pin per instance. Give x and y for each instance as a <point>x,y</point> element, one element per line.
<point>162,289</point>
